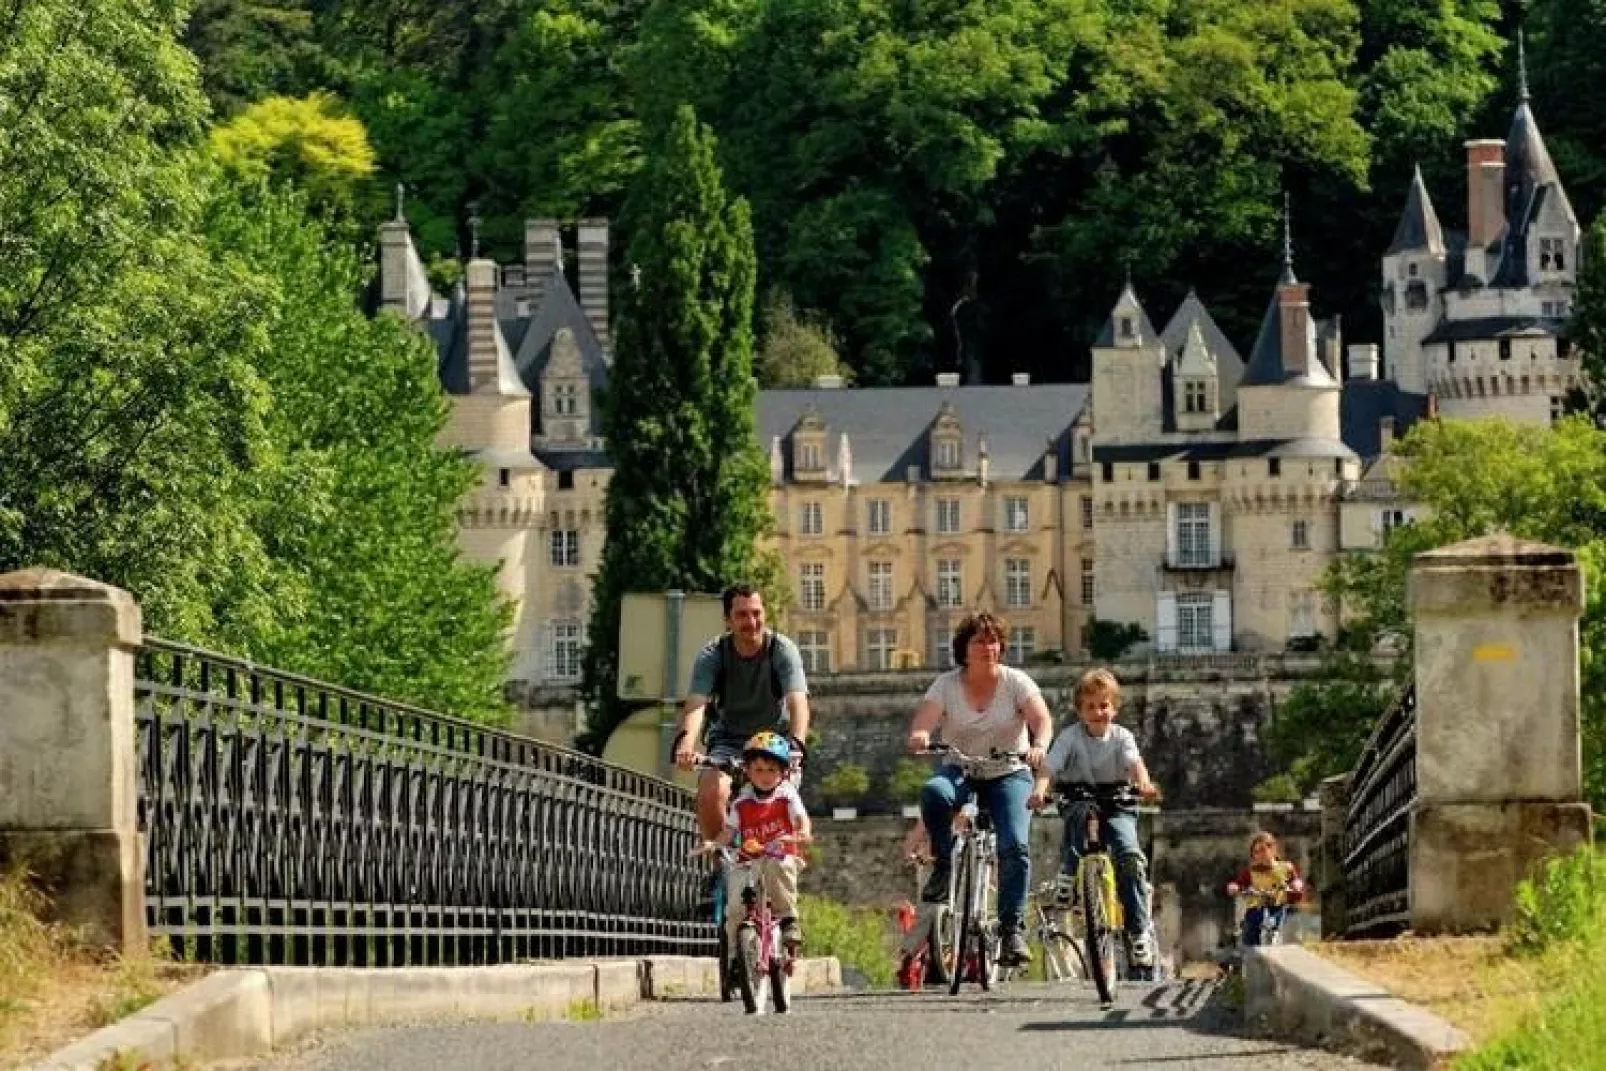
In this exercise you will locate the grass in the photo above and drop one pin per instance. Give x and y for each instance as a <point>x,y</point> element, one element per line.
<point>861,938</point>
<point>1532,998</point>
<point>52,988</point>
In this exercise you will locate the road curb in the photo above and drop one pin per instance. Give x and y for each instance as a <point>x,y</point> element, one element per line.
<point>1292,993</point>
<point>238,1013</point>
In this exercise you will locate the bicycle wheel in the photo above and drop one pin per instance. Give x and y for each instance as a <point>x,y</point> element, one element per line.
<point>727,980</point>
<point>1062,958</point>
<point>987,937</point>
<point>780,986</point>
<point>748,983</point>
<point>964,939</point>
<point>1099,937</point>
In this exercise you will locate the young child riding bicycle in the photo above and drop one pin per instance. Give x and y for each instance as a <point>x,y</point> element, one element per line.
<point>1269,884</point>
<point>766,822</point>
<point>1095,751</point>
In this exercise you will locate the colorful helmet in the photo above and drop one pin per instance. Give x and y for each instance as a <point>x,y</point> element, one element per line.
<point>770,746</point>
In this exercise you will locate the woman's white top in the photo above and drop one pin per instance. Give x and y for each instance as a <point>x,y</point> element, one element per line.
<point>1000,725</point>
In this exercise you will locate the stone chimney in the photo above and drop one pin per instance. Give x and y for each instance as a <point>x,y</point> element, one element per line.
<point>1020,379</point>
<point>1293,311</point>
<point>1385,432</point>
<point>1363,362</point>
<point>1051,462</point>
<point>947,379</point>
<point>1486,171</point>
<point>483,367</point>
<point>543,251</point>
<point>593,242</point>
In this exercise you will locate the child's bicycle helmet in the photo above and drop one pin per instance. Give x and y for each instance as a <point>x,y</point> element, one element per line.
<point>770,746</point>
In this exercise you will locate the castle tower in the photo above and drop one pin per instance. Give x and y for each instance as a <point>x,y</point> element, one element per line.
<point>1414,269</point>
<point>1128,362</point>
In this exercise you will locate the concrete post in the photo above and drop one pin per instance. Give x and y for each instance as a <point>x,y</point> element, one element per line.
<point>68,785</point>
<point>1498,767</point>
<point>1334,795</point>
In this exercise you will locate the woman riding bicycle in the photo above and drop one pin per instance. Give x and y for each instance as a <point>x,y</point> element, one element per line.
<point>983,706</point>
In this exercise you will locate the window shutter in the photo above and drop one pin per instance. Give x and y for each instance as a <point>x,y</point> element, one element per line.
<point>549,647</point>
<point>1166,622</point>
<point>1215,533</point>
<point>1221,620</point>
<point>1171,535</point>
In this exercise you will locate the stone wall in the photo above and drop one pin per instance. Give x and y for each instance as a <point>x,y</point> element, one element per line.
<point>1192,856</point>
<point>1198,722</point>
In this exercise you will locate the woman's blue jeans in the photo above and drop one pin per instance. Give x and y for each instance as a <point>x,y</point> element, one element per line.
<point>1005,799</point>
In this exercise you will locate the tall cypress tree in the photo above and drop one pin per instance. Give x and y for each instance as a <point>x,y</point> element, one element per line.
<point>688,501</point>
<point>1588,325</point>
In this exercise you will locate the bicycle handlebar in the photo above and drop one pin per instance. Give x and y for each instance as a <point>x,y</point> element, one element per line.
<point>1119,793</point>
<point>948,751</point>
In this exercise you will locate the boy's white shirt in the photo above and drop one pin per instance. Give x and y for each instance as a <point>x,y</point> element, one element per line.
<point>1075,742</point>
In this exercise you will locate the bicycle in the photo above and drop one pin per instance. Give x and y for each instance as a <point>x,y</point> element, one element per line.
<point>731,768</point>
<point>971,930</point>
<point>1271,922</point>
<point>760,955</point>
<point>923,958</point>
<point>1055,931</point>
<point>1095,885</point>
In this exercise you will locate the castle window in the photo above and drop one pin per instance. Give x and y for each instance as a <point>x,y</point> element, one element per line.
<point>1195,621</point>
<point>947,454</point>
<point>1195,396</point>
<point>948,516</point>
<point>565,400</point>
<point>878,647</point>
<point>1087,511</point>
<point>880,519</point>
<point>880,595</point>
<point>811,587</point>
<point>1193,470</point>
<point>1087,582</point>
<point>1505,349</point>
<point>1301,613</point>
<point>1108,472</point>
<point>1552,254</point>
<point>950,584</point>
<point>1126,327</point>
<point>814,648</point>
<point>565,648</point>
<point>1016,517</point>
<point>564,548</point>
<point>1017,582</point>
<point>1154,471</point>
<point>566,480</point>
<point>504,477</point>
<point>812,521</point>
<point>1193,534</point>
<point>1300,536</point>
<point>1274,467</point>
<point>1416,295</point>
<point>1022,645</point>
<point>1411,271</point>
<point>809,457</point>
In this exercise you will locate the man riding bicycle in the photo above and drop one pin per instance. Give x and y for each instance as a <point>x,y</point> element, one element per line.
<point>753,677</point>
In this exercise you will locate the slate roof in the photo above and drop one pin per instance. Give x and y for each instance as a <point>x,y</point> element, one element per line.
<point>1222,451</point>
<point>1487,327</point>
<point>1267,363</point>
<point>1418,228</point>
<point>887,426</point>
<point>1229,364</point>
<point>1530,179</point>
<point>1147,335</point>
<point>1365,402</point>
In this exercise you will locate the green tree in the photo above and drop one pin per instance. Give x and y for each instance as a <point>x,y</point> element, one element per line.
<point>798,347</point>
<point>250,49</point>
<point>1473,478</point>
<point>688,500</point>
<point>385,603</point>
<point>1588,324</point>
<point>308,142</point>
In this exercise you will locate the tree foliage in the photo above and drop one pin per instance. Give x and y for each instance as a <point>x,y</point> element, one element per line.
<point>688,499</point>
<point>798,347</point>
<point>308,143</point>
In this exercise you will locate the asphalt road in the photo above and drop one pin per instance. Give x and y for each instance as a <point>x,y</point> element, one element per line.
<point>1178,1026</point>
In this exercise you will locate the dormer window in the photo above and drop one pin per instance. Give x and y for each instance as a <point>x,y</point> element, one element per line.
<point>1126,327</point>
<point>1552,254</point>
<point>808,446</point>
<point>947,442</point>
<point>565,393</point>
<point>808,457</point>
<point>1195,396</point>
<point>565,401</point>
<point>1416,295</point>
<point>948,454</point>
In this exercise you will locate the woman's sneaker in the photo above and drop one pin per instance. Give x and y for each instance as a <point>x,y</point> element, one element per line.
<point>1014,951</point>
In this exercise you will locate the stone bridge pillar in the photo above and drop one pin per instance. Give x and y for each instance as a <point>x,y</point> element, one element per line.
<point>68,787</point>
<point>1499,783</point>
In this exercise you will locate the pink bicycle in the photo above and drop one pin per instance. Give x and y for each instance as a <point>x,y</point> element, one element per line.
<point>760,962</point>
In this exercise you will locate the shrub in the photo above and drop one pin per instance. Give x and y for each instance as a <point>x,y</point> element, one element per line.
<point>1109,640</point>
<point>846,784</point>
<point>907,780</point>
<point>855,936</point>
<point>1565,901</point>
<point>1280,788</point>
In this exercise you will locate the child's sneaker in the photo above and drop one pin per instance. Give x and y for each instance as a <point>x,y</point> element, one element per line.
<point>791,934</point>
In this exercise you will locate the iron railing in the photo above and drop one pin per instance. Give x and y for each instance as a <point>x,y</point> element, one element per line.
<point>291,821</point>
<point>1377,825</point>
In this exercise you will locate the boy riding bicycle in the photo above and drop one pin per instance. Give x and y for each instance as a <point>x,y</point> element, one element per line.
<point>1096,752</point>
<point>766,821</point>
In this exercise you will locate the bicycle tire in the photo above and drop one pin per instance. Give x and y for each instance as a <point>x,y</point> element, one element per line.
<point>1063,960</point>
<point>780,986</point>
<point>986,935</point>
<point>746,963</point>
<point>727,980</point>
<point>962,935</point>
<point>1099,937</point>
<point>939,948</point>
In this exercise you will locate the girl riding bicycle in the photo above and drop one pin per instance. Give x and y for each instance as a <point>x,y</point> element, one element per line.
<point>1269,884</point>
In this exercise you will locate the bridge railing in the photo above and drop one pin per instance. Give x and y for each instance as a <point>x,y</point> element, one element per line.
<point>286,820</point>
<point>1376,857</point>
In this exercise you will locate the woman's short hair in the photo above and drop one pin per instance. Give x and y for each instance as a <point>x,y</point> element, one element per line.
<point>1097,681</point>
<point>975,624</point>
